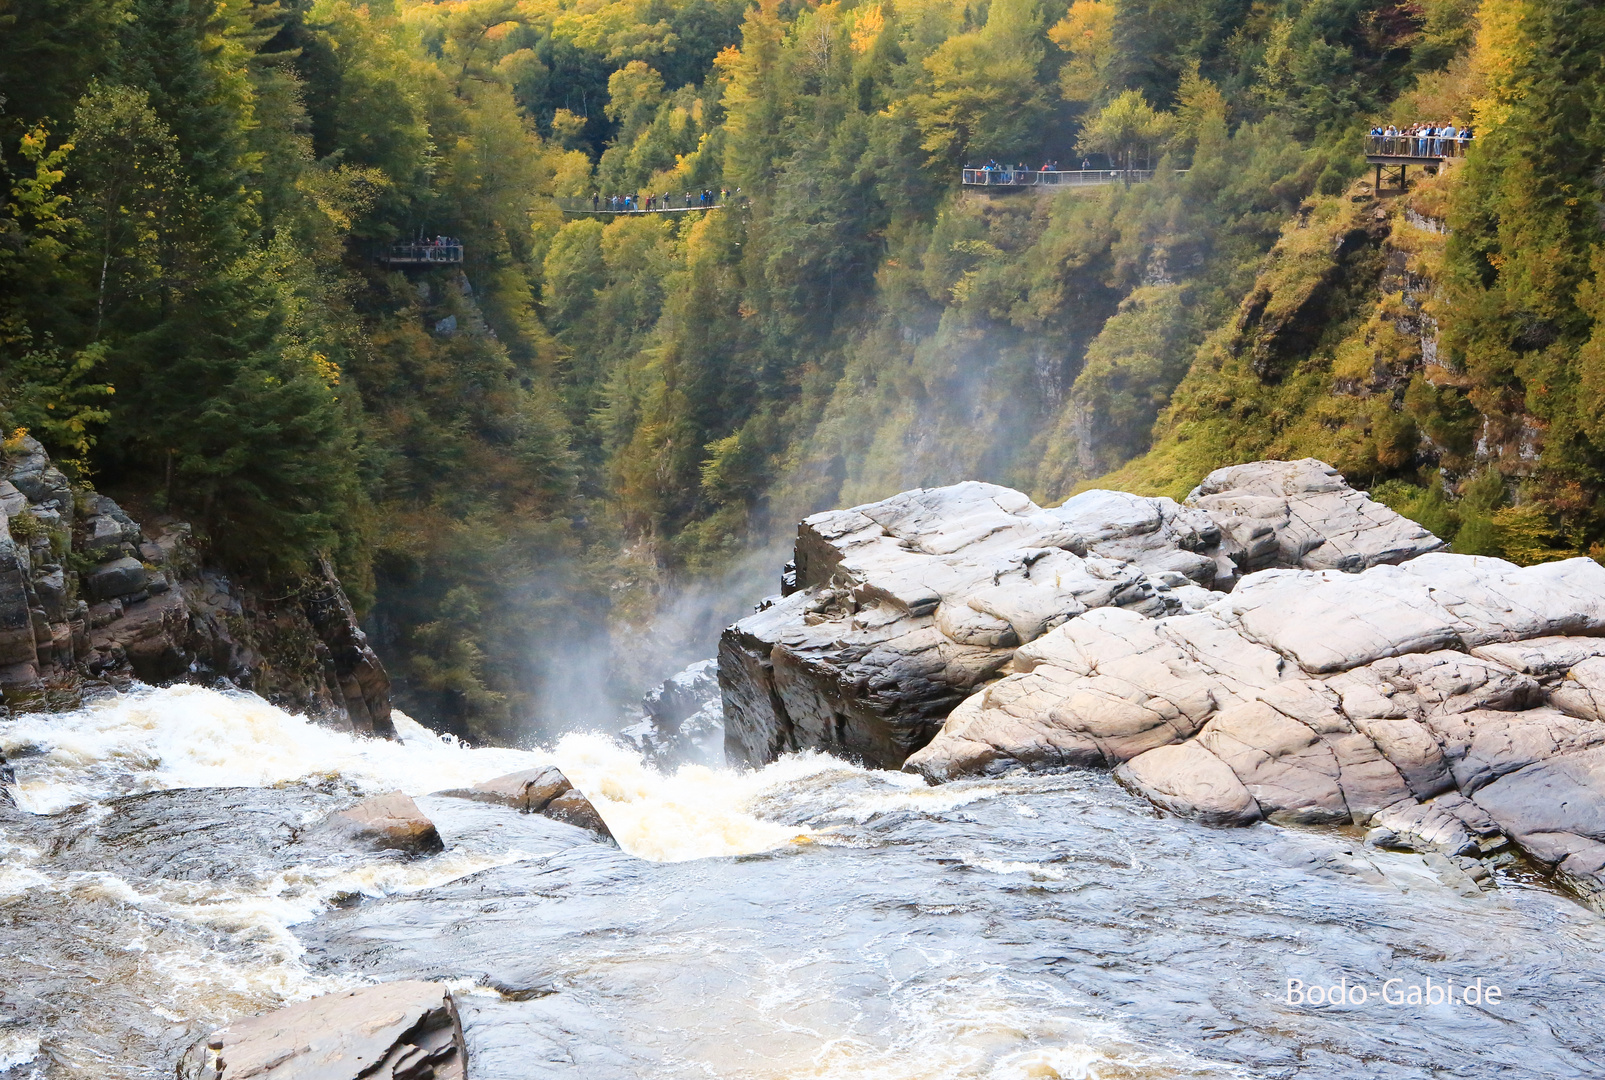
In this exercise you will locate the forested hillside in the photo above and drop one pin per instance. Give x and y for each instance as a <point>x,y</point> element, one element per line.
<point>519,466</point>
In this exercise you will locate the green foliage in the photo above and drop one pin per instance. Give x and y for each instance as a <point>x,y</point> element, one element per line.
<point>53,397</point>
<point>1124,127</point>
<point>593,410</point>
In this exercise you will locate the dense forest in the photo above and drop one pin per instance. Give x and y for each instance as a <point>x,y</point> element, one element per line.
<point>522,467</point>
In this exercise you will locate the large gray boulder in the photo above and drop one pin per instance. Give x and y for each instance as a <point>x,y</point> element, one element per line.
<point>1278,648</point>
<point>1363,651</point>
<point>390,822</point>
<point>901,609</point>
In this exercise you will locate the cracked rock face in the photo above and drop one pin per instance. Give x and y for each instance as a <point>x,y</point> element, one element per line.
<point>1279,648</point>
<point>901,609</point>
<point>1429,699</point>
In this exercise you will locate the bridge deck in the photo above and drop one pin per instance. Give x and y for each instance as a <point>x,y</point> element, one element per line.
<point>570,204</point>
<point>1019,179</point>
<point>1401,159</point>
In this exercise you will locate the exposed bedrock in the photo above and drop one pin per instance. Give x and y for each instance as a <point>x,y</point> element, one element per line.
<point>903,608</point>
<point>1353,674</point>
<point>683,721</point>
<point>1446,701</point>
<point>90,596</point>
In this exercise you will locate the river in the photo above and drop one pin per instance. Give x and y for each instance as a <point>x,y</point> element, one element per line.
<point>808,920</point>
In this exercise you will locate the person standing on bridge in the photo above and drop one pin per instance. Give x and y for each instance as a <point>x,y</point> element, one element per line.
<point>596,201</point>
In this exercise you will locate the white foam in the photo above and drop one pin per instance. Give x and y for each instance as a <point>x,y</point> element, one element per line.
<point>189,736</point>
<point>17,1049</point>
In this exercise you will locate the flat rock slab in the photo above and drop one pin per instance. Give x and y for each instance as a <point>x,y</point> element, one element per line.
<point>395,1031</point>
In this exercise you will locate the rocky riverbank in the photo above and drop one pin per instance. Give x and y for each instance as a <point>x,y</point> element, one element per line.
<point>91,598</point>
<point>1277,647</point>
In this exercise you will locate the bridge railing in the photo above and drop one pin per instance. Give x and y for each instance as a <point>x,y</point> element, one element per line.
<point>425,253</point>
<point>1051,178</point>
<point>1429,146</point>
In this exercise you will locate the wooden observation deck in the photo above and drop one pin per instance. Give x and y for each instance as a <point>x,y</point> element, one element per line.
<point>1403,151</point>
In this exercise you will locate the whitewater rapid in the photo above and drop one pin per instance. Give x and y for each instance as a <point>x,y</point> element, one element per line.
<point>811,919</point>
<point>237,952</point>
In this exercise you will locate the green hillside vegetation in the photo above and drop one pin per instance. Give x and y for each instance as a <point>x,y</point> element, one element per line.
<point>518,466</point>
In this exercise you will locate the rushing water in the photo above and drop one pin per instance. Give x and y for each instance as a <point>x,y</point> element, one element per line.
<point>811,919</point>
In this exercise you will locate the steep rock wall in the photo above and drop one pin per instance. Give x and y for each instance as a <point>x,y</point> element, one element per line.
<point>89,596</point>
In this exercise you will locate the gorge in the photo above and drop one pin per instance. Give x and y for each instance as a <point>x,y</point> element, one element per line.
<point>588,539</point>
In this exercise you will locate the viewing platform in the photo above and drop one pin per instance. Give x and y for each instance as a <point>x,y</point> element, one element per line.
<point>1403,151</point>
<point>1004,180</point>
<point>424,254</point>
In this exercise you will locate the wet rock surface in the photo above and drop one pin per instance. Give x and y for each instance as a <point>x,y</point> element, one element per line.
<point>191,834</point>
<point>536,791</point>
<point>390,822</point>
<point>395,1031</point>
<point>902,608</point>
<point>684,719</point>
<point>1188,934</point>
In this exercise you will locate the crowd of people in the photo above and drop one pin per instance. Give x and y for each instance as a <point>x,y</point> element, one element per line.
<point>993,173</point>
<point>1424,140</point>
<point>1003,174</point>
<point>631,204</point>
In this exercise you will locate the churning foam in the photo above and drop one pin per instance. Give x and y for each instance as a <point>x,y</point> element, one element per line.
<point>190,736</point>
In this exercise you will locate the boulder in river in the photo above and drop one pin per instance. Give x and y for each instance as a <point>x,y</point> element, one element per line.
<point>394,1031</point>
<point>543,791</point>
<point>904,607</point>
<point>390,822</point>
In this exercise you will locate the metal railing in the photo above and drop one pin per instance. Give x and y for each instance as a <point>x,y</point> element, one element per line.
<point>1417,146</point>
<point>672,204</point>
<point>422,254</point>
<point>1055,178</point>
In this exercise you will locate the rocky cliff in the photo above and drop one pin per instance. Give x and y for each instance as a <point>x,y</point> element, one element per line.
<point>1278,647</point>
<point>898,610</point>
<point>90,597</point>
